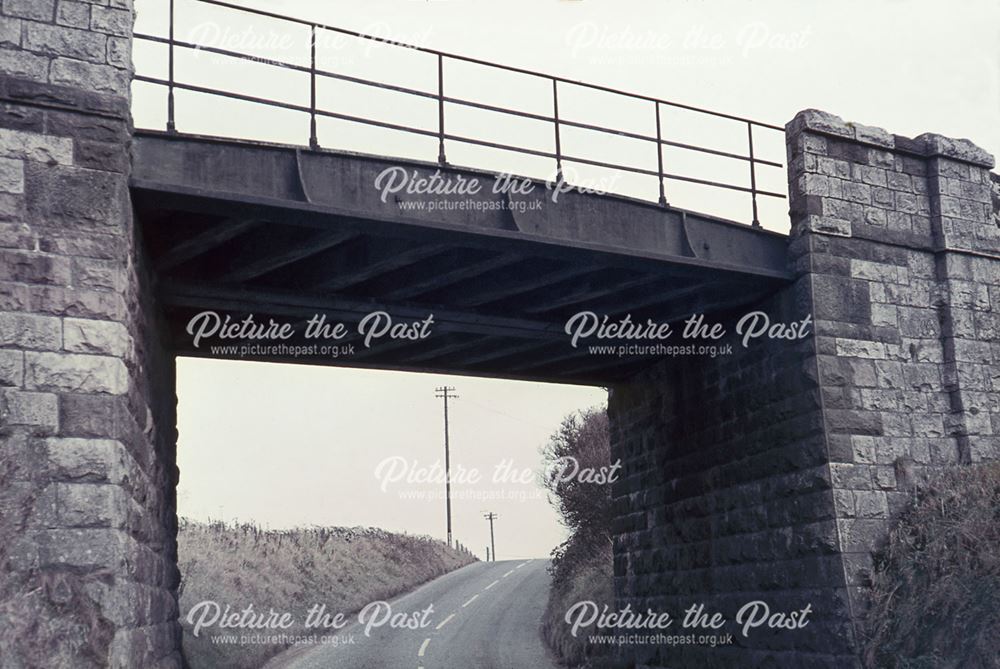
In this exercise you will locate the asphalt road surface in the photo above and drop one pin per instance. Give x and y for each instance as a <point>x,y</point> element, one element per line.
<point>486,616</point>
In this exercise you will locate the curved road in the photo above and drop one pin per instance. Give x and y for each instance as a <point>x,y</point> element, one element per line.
<point>486,615</point>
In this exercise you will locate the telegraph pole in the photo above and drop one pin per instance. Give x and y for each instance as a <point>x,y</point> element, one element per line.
<point>446,392</point>
<point>491,517</point>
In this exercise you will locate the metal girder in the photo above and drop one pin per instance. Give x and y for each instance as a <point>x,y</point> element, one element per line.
<point>203,242</point>
<point>264,256</point>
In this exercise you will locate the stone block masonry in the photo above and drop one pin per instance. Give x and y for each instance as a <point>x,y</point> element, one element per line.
<point>88,571</point>
<point>900,241</point>
<point>725,498</point>
<point>775,473</point>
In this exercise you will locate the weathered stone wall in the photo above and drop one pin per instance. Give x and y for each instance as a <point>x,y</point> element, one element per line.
<point>725,498</point>
<point>87,537</point>
<point>900,240</point>
<point>775,473</point>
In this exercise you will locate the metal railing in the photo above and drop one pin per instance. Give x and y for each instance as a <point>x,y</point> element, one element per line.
<point>441,134</point>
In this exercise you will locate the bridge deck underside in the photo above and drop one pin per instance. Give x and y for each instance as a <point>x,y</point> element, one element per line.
<point>228,240</point>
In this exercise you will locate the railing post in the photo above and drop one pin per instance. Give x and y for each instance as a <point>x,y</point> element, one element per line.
<point>555,115</point>
<point>441,157</point>
<point>313,141</point>
<point>171,124</point>
<point>753,175</point>
<point>659,156</point>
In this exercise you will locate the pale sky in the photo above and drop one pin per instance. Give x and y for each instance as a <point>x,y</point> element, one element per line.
<point>295,445</point>
<point>287,445</point>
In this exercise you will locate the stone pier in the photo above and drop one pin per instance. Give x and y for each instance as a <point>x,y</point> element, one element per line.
<point>774,473</point>
<point>87,428</point>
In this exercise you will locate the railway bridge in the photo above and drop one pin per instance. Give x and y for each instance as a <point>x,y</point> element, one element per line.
<point>768,473</point>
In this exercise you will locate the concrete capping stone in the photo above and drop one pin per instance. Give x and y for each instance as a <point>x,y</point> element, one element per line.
<point>908,144</point>
<point>826,123</point>
<point>927,145</point>
<point>819,121</point>
<point>956,149</point>
<point>873,135</point>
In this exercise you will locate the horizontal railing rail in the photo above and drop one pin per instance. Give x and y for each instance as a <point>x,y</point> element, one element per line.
<point>558,155</point>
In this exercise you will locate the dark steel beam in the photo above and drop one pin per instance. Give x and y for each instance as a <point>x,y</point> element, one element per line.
<point>678,313</point>
<point>501,353</point>
<point>346,279</point>
<point>451,277</point>
<point>588,292</point>
<point>294,303</point>
<point>153,196</point>
<point>264,255</point>
<point>515,288</point>
<point>450,349</point>
<point>386,349</point>
<point>619,306</point>
<point>397,366</point>
<point>203,242</point>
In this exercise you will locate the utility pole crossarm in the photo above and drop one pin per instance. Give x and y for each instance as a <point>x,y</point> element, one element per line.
<point>491,517</point>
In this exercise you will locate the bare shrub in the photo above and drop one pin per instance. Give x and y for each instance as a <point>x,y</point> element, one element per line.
<point>585,508</point>
<point>935,591</point>
<point>582,566</point>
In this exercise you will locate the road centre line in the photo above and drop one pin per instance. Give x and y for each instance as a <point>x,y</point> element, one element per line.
<point>470,600</point>
<point>508,573</point>
<point>423,647</point>
<point>491,584</point>
<point>444,622</point>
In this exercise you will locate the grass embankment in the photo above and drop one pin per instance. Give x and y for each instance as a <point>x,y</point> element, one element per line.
<point>291,570</point>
